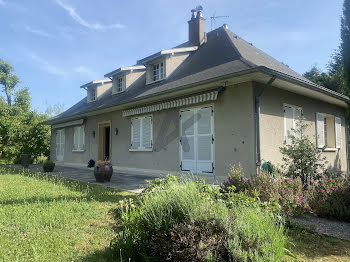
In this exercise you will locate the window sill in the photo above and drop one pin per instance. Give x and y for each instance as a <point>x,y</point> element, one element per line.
<point>78,151</point>
<point>152,82</point>
<point>330,150</point>
<point>118,92</point>
<point>141,150</point>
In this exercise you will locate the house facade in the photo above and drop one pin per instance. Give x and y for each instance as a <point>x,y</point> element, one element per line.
<point>200,107</point>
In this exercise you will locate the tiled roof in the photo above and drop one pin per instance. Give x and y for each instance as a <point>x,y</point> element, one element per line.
<point>222,54</point>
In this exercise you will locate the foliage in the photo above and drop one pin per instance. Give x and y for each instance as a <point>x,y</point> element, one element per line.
<point>48,163</point>
<point>46,218</point>
<point>236,180</point>
<point>302,158</point>
<point>193,222</point>
<point>345,42</point>
<point>8,79</point>
<point>21,131</point>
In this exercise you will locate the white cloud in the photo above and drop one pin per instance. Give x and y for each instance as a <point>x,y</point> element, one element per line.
<point>86,71</point>
<point>2,2</point>
<point>37,32</point>
<point>46,66</point>
<point>95,26</point>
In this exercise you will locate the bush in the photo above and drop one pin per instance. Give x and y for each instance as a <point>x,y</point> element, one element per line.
<point>302,158</point>
<point>236,181</point>
<point>182,220</point>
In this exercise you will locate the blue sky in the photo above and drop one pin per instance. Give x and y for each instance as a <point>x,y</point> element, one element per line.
<point>58,45</point>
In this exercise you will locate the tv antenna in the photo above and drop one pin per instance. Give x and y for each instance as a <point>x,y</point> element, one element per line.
<point>213,19</point>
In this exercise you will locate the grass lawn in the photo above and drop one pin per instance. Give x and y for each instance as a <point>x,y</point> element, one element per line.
<point>49,219</point>
<point>308,246</point>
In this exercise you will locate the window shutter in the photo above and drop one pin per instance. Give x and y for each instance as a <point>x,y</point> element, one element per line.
<point>288,123</point>
<point>337,123</point>
<point>320,130</point>
<point>76,138</point>
<point>297,119</point>
<point>147,132</point>
<point>136,134</point>
<point>81,138</point>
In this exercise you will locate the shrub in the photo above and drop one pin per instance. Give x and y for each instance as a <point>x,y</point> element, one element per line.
<point>331,197</point>
<point>182,220</point>
<point>303,158</point>
<point>236,181</point>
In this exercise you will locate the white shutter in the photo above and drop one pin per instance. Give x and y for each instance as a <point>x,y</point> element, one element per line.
<point>297,119</point>
<point>288,123</point>
<point>337,123</point>
<point>135,133</point>
<point>81,138</point>
<point>204,140</point>
<point>76,138</point>
<point>320,130</point>
<point>188,157</point>
<point>147,132</point>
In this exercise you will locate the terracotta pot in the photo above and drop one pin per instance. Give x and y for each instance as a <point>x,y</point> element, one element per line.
<point>99,175</point>
<point>103,173</point>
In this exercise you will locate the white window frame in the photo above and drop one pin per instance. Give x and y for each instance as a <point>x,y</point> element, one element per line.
<point>161,73</point>
<point>79,131</point>
<point>117,88</point>
<point>92,90</point>
<point>294,120</point>
<point>141,148</point>
<point>337,132</point>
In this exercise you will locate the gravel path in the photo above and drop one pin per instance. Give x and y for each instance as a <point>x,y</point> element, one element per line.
<point>325,226</point>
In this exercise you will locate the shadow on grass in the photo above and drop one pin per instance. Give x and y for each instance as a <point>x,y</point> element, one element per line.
<point>105,255</point>
<point>312,245</point>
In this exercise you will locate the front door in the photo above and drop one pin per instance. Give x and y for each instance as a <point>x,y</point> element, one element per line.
<point>60,144</point>
<point>197,140</point>
<point>104,144</point>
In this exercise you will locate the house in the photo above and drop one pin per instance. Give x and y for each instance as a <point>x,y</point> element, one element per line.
<point>202,106</point>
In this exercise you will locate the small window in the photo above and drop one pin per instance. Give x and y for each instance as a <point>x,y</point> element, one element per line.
<point>292,115</point>
<point>158,71</point>
<point>141,133</point>
<point>91,94</point>
<point>328,131</point>
<point>119,85</point>
<point>79,138</point>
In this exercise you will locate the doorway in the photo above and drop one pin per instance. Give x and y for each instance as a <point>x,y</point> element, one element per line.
<point>104,144</point>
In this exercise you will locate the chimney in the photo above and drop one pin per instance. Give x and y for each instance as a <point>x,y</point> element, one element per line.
<point>196,27</point>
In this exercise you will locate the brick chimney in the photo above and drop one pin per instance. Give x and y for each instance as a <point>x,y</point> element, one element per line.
<point>196,27</point>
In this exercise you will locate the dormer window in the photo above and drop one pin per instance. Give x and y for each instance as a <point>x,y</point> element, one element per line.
<point>158,71</point>
<point>91,94</point>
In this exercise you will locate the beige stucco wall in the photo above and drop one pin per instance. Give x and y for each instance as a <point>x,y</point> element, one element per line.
<point>233,134</point>
<point>272,124</point>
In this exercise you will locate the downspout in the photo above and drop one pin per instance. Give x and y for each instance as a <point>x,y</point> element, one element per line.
<point>257,120</point>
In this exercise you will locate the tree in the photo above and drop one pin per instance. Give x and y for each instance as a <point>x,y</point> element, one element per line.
<point>345,42</point>
<point>302,158</point>
<point>54,110</point>
<point>318,77</point>
<point>8,79</point>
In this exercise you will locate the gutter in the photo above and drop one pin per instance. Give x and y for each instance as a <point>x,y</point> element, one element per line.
<point>257,120</point>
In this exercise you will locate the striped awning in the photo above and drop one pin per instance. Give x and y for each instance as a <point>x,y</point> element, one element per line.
<point>210,96</point>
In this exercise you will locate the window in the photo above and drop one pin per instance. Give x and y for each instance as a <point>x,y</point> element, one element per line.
<point>328,131</point>
<point>79,138</point>
<point>158,71</point>
<point>119,84</point>
<point>91,94</point>
<point>292,115</point>
<point>141,133</point>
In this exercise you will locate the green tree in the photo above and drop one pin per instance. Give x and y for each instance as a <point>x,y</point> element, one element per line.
<point>8,79</point>
<point>318,77</point>
<point>345,42</point>
<point>302,158</point>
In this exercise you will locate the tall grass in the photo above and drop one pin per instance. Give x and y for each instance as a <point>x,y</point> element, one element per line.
<point>166,211</point>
